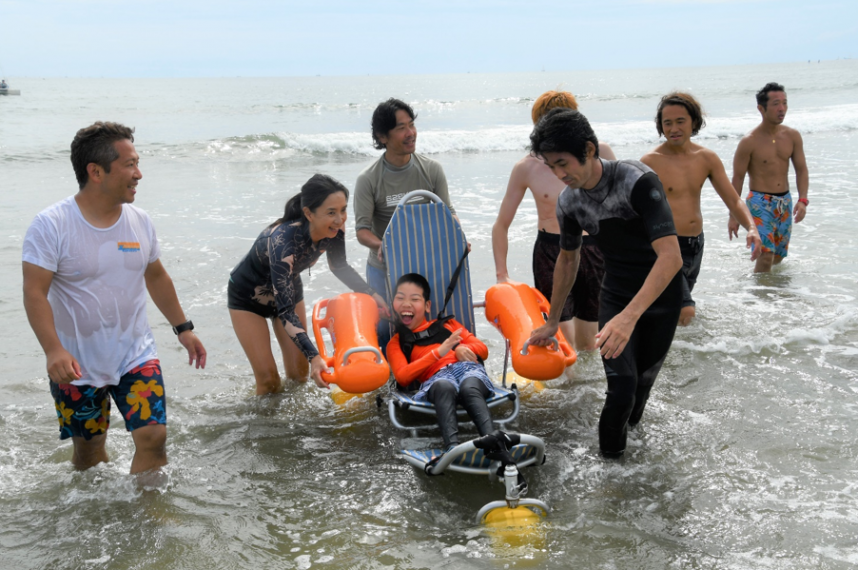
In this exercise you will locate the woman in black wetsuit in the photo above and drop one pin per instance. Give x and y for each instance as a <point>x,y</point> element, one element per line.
<point>266,283</point>
<point>622,204</point>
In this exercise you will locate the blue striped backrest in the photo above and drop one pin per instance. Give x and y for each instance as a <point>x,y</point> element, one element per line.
<point>427,239</point>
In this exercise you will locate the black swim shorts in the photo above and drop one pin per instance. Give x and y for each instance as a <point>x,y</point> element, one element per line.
<point>241,300</point>
<point>691,249</point>
<point>583,301</point>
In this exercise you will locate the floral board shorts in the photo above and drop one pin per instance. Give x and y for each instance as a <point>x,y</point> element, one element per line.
<point>84,411</point>
<point>772,215</point>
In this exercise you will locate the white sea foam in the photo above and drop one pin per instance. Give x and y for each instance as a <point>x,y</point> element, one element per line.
<point>269,146</point>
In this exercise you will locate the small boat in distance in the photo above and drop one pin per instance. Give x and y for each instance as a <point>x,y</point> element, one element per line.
<point>4,89</point>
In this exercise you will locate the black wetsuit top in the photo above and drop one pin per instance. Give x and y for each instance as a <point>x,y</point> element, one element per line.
<point>269,273</point>
<point>625,212</point>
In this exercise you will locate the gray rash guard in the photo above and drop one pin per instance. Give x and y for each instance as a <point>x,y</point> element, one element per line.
<point>625,212</point>
<point>381,186</point>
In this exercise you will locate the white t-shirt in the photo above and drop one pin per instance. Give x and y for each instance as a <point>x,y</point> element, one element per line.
<point>98,294</point>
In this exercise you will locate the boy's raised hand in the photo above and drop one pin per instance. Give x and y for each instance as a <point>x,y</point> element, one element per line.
<point>450,343</point>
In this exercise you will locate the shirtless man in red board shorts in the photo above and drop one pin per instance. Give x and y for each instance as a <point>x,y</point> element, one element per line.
<point>764,154</point>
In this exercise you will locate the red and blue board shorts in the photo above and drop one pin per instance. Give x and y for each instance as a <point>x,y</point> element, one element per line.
<point>84,411</point>
<point>772,215</point>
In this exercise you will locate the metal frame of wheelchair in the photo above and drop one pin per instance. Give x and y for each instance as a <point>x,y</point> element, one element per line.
<point>466,457</point>
<point>399,403</point>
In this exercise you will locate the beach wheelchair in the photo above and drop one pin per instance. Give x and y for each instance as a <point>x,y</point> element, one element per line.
<point>425,238</point>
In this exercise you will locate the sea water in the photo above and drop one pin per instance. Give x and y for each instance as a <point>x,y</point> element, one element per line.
<point>747,454</point>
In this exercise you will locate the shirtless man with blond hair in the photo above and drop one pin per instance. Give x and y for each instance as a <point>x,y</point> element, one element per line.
<point>683,167</point>
<point>580,318</point>
<point>764,154</point>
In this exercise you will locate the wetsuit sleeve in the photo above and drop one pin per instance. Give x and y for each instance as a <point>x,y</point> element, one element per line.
<point>364,203</point>
<point>469,340</point>
<point>571,231</point>
<point>650,203</point>
<point>280,257</point>
<point>405,372</point>
<point>340,267</point>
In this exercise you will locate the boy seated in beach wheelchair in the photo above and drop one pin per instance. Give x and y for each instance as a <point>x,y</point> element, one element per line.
<point>440,359</point>
<point>443,362</point>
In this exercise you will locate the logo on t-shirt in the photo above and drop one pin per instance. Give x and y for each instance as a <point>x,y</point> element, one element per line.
<point>394,199</point>
<point>129,245</point>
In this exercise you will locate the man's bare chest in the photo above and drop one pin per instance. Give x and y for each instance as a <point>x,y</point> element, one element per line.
<point>771,152</point>
<point>682,177</point>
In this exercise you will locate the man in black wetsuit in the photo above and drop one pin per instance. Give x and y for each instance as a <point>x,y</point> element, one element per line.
<point>622,204</point>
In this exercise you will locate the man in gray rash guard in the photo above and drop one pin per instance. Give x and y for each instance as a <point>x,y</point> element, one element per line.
<point>622,204</point>
<point>382,184</point>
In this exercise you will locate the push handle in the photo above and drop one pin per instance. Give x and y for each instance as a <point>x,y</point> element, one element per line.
<point>358,349</point>
<point>318,324</point>
<point>431,196</point>
<point>527,344</point>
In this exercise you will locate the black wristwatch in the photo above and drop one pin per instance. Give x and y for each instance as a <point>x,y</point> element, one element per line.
<point>188,326</point>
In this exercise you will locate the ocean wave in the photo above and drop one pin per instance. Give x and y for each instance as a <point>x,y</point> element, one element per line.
<point>25,156</point>
<point>420,105</point>
<point>282,145</point>
<point>501,138</point>
<point>841,118</point>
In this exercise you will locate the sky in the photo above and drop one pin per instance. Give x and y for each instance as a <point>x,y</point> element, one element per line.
<point>217,38</point>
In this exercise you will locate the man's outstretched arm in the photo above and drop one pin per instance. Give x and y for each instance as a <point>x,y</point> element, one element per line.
<point>516,188</point>
<point>738,210</point>
<point>615,335</point>
<point>565,273</point>
<point>741,162</point>
<point>163,293</point>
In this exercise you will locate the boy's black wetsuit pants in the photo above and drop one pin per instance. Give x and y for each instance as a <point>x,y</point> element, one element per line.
<point>472,395</point>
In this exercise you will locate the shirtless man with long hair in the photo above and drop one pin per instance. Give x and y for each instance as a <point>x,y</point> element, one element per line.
<point>683,167</point>
<point>764,154</point>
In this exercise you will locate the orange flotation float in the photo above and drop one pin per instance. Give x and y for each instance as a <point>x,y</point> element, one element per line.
<point>516,309</point>
<point>351,320</point>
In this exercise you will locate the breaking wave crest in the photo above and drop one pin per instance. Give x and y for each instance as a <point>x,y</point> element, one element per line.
<point>501,138</point>
<point>510,137</point>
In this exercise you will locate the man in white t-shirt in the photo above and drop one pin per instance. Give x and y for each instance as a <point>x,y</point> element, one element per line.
<point>88,262</point>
